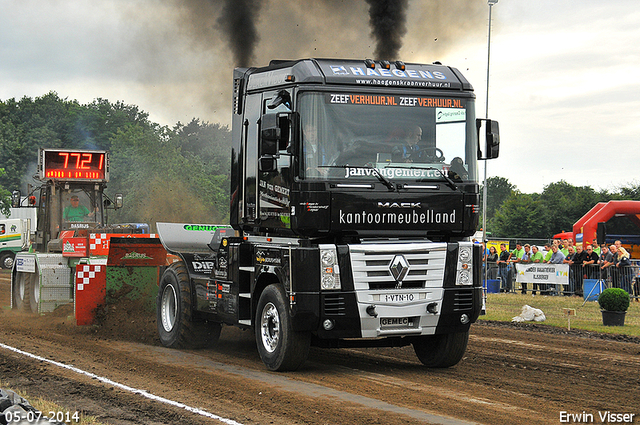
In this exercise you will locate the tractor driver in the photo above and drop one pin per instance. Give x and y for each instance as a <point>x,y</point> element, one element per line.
<point>75,211</point>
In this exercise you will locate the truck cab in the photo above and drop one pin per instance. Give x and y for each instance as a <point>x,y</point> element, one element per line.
<point>355,149</point>
<point>354,190</point>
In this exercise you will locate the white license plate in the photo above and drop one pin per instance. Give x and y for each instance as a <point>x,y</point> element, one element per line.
<point>399,298</point>
<point>396,321</point>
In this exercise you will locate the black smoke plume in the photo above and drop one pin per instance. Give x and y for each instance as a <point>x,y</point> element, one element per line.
<point>234,22</point>
<point>180,49</point>
<point>237,22</point>
<point>388,21</point>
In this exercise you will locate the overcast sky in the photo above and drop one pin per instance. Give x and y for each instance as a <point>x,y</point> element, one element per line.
<point>564,81</point>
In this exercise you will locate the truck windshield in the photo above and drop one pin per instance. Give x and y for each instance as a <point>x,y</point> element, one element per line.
<point>344,135</point>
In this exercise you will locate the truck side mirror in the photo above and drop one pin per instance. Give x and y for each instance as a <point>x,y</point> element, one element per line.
<point>274,137</point>
<point>270,134</point>
<point>490,132</point>
<point>274,132</point>
<point>119,200</point>
<point>267,163</point>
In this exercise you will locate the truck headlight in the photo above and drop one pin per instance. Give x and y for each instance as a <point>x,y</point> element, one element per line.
<point>465,264</point>
<point>329,269</point>
<point>465,254</point>
<point>464,277</point>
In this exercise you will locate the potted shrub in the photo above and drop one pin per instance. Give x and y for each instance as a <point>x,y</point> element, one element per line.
<point>614,303</point>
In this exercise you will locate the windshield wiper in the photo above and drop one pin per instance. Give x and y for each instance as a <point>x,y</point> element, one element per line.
<point>385,181</point>
<point>450,182</point>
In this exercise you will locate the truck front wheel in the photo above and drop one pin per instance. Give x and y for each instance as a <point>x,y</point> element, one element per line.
<point>439,351</point>
<point>177,327</point>
<point>280,347</point>
<point>6,260</point>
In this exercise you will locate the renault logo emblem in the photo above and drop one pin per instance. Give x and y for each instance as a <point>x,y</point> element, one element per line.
<point>399,268</point>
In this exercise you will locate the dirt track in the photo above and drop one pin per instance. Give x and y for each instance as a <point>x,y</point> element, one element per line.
<point>512,374</point>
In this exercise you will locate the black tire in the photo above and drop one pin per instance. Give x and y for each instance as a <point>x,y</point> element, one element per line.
<point>440,351</point>
<point>21,287</point>
<point>280,347</point>
<point>177,326</point>
<point>6,260</point>
<point>26,291</point>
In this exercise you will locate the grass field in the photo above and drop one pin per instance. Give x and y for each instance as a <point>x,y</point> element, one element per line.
<point>503,307</point>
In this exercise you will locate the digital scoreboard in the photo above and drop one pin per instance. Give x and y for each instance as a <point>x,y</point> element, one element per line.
<point>80,165</point>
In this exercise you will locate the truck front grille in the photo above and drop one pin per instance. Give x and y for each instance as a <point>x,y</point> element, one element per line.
<point>420,265</point>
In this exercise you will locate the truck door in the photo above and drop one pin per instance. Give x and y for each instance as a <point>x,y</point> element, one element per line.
<point>274,186</point>
<point>250,158</point>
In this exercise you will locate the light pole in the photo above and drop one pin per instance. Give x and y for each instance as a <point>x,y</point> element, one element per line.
<point>491,3</point>
<point>486,115</point>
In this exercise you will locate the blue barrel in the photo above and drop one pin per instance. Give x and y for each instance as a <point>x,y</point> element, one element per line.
<point>492,285</point>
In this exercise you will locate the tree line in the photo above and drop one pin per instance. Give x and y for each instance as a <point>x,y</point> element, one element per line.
<point>513,214</point>
<point>165,174</point>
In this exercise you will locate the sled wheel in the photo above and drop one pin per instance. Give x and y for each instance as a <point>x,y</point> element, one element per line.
<point>21,287</point>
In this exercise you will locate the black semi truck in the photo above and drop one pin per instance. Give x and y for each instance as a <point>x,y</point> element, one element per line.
<point>354,191</point>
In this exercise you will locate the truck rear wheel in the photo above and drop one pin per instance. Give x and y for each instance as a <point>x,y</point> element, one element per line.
<point>280,347</point>
<point>444,350</point>
<point>177,327</point>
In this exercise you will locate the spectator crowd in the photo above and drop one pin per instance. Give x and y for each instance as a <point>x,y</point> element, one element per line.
<point>610,263</point>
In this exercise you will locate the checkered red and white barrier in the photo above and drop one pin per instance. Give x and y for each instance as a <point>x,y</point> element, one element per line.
<point>90,291</point>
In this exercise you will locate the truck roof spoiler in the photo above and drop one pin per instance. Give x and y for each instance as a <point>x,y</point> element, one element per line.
<point>192,238</point>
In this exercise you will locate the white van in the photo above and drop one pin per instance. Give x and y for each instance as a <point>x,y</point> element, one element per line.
<point>14,237</point>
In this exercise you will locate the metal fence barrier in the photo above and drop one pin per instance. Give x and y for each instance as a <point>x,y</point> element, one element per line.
<point>625,277</point>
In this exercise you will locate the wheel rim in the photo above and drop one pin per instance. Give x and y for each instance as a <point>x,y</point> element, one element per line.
<point>270,327</point>
<point>168,307</point>
<point>8,262</point>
